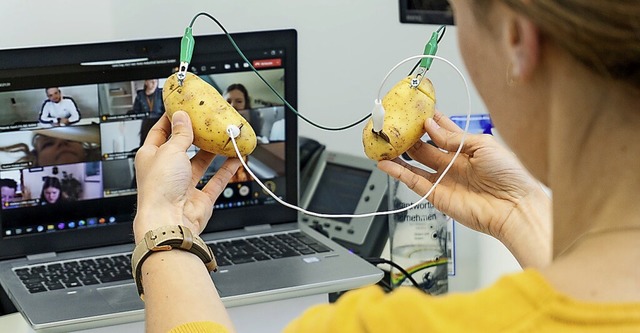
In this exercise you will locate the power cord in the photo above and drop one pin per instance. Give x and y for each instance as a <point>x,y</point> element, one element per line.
<point>379,261</point>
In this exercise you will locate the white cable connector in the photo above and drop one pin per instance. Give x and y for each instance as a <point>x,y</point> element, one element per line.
<point>377,116</point>
<point>233,131</point>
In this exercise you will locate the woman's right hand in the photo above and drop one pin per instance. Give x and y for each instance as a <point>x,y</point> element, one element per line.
<point>486,189</point>
<point>167,178</point>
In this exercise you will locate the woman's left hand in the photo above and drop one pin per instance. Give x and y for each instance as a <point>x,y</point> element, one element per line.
<point>167,178</point>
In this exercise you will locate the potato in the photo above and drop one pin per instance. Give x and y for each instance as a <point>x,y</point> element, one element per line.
<point>406,110</point>
<point>210,115</point>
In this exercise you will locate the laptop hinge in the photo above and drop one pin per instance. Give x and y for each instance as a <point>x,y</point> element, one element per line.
<point>260,227</point>
<point>40,256</point>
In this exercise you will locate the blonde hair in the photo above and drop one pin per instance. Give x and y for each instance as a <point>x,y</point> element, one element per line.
<point>604,35</point>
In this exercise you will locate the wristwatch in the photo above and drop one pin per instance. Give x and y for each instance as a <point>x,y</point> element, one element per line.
<point>168,238</point>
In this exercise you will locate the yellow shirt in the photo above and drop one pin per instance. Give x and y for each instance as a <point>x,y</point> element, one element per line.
<point>200,327</point>
<point>521,302</point>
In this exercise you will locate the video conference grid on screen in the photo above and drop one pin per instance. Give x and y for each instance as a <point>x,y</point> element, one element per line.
<point>75,144</point>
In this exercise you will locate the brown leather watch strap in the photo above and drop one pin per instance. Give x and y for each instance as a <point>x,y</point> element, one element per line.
<point>167,238</point>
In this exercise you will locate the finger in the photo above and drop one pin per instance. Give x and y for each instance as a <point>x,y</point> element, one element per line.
<point>450,140</point>
<point>431,157</point>
<point>415,182</point>
<point>159,133</point>
<point>181,131</point>
<point>445,122</point>
<point>416,169</point>
<point>217,184</point>
<point>199,164</point>
<point>441,196</point>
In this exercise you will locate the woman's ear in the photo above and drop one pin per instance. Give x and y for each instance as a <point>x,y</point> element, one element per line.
<point>523,44</point>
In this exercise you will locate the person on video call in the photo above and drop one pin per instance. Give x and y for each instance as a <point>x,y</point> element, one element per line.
<point>149,99</point>
<point>51,191</point>
<point>237,96</point>
<point>66,145</point>
<point>60,145</point>
<point>58,110</point>
<point>8,188</point>
<point>570,85</point>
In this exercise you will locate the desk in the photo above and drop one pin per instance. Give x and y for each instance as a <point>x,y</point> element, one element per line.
<point>268,317</point>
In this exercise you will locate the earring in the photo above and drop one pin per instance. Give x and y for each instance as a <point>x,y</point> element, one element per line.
<point>513,74</point>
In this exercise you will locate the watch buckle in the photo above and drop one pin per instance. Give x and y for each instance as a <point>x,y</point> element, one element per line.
<point>150,242</point>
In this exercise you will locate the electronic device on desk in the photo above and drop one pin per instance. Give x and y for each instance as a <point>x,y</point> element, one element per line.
<point>347,184</point>
<point>425,12</point>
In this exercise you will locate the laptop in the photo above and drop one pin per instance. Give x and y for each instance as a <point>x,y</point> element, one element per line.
<point>66,218</point>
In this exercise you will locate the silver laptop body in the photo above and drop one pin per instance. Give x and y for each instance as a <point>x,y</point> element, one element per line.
<point>95,223</point>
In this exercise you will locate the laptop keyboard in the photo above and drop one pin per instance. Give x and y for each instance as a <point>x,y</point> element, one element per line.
<point>266,247</point>
<point>70,274</point>
<point>91,271</point>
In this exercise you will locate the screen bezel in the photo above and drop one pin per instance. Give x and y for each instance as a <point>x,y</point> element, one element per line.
<point>25,63</point>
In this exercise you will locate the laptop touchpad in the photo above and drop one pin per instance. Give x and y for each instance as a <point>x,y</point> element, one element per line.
<point>122,297</point>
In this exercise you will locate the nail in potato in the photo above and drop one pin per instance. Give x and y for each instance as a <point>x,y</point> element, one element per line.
<point>406,110</point>
<point>210,115</point>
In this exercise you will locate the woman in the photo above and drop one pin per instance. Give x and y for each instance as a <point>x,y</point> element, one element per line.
<point>51,191</point>
<point>149,99</point>
<point>50,150</point>
<point>59,145</point>
<point>238,96</point>
<point>570,85</point>
<point>66,145</point>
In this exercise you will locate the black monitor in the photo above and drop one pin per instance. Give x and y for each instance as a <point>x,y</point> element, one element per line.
<point>425,12</point>
<point>84,144</point>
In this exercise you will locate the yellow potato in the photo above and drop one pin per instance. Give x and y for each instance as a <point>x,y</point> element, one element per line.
<point>210,115</point>
<point>406,110</point>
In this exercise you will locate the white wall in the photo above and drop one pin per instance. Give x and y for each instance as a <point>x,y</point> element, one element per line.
<point>345,50</point>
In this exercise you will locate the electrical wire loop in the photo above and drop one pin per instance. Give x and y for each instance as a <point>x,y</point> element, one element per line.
<point>187,45</point>
<point>444,172</point>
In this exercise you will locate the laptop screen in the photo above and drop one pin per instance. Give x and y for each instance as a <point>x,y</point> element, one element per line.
<point>72,118</point>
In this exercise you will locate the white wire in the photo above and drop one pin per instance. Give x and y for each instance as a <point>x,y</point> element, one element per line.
<point>444,172</point>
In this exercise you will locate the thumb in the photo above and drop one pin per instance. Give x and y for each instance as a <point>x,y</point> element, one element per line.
<point>181,131</point>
